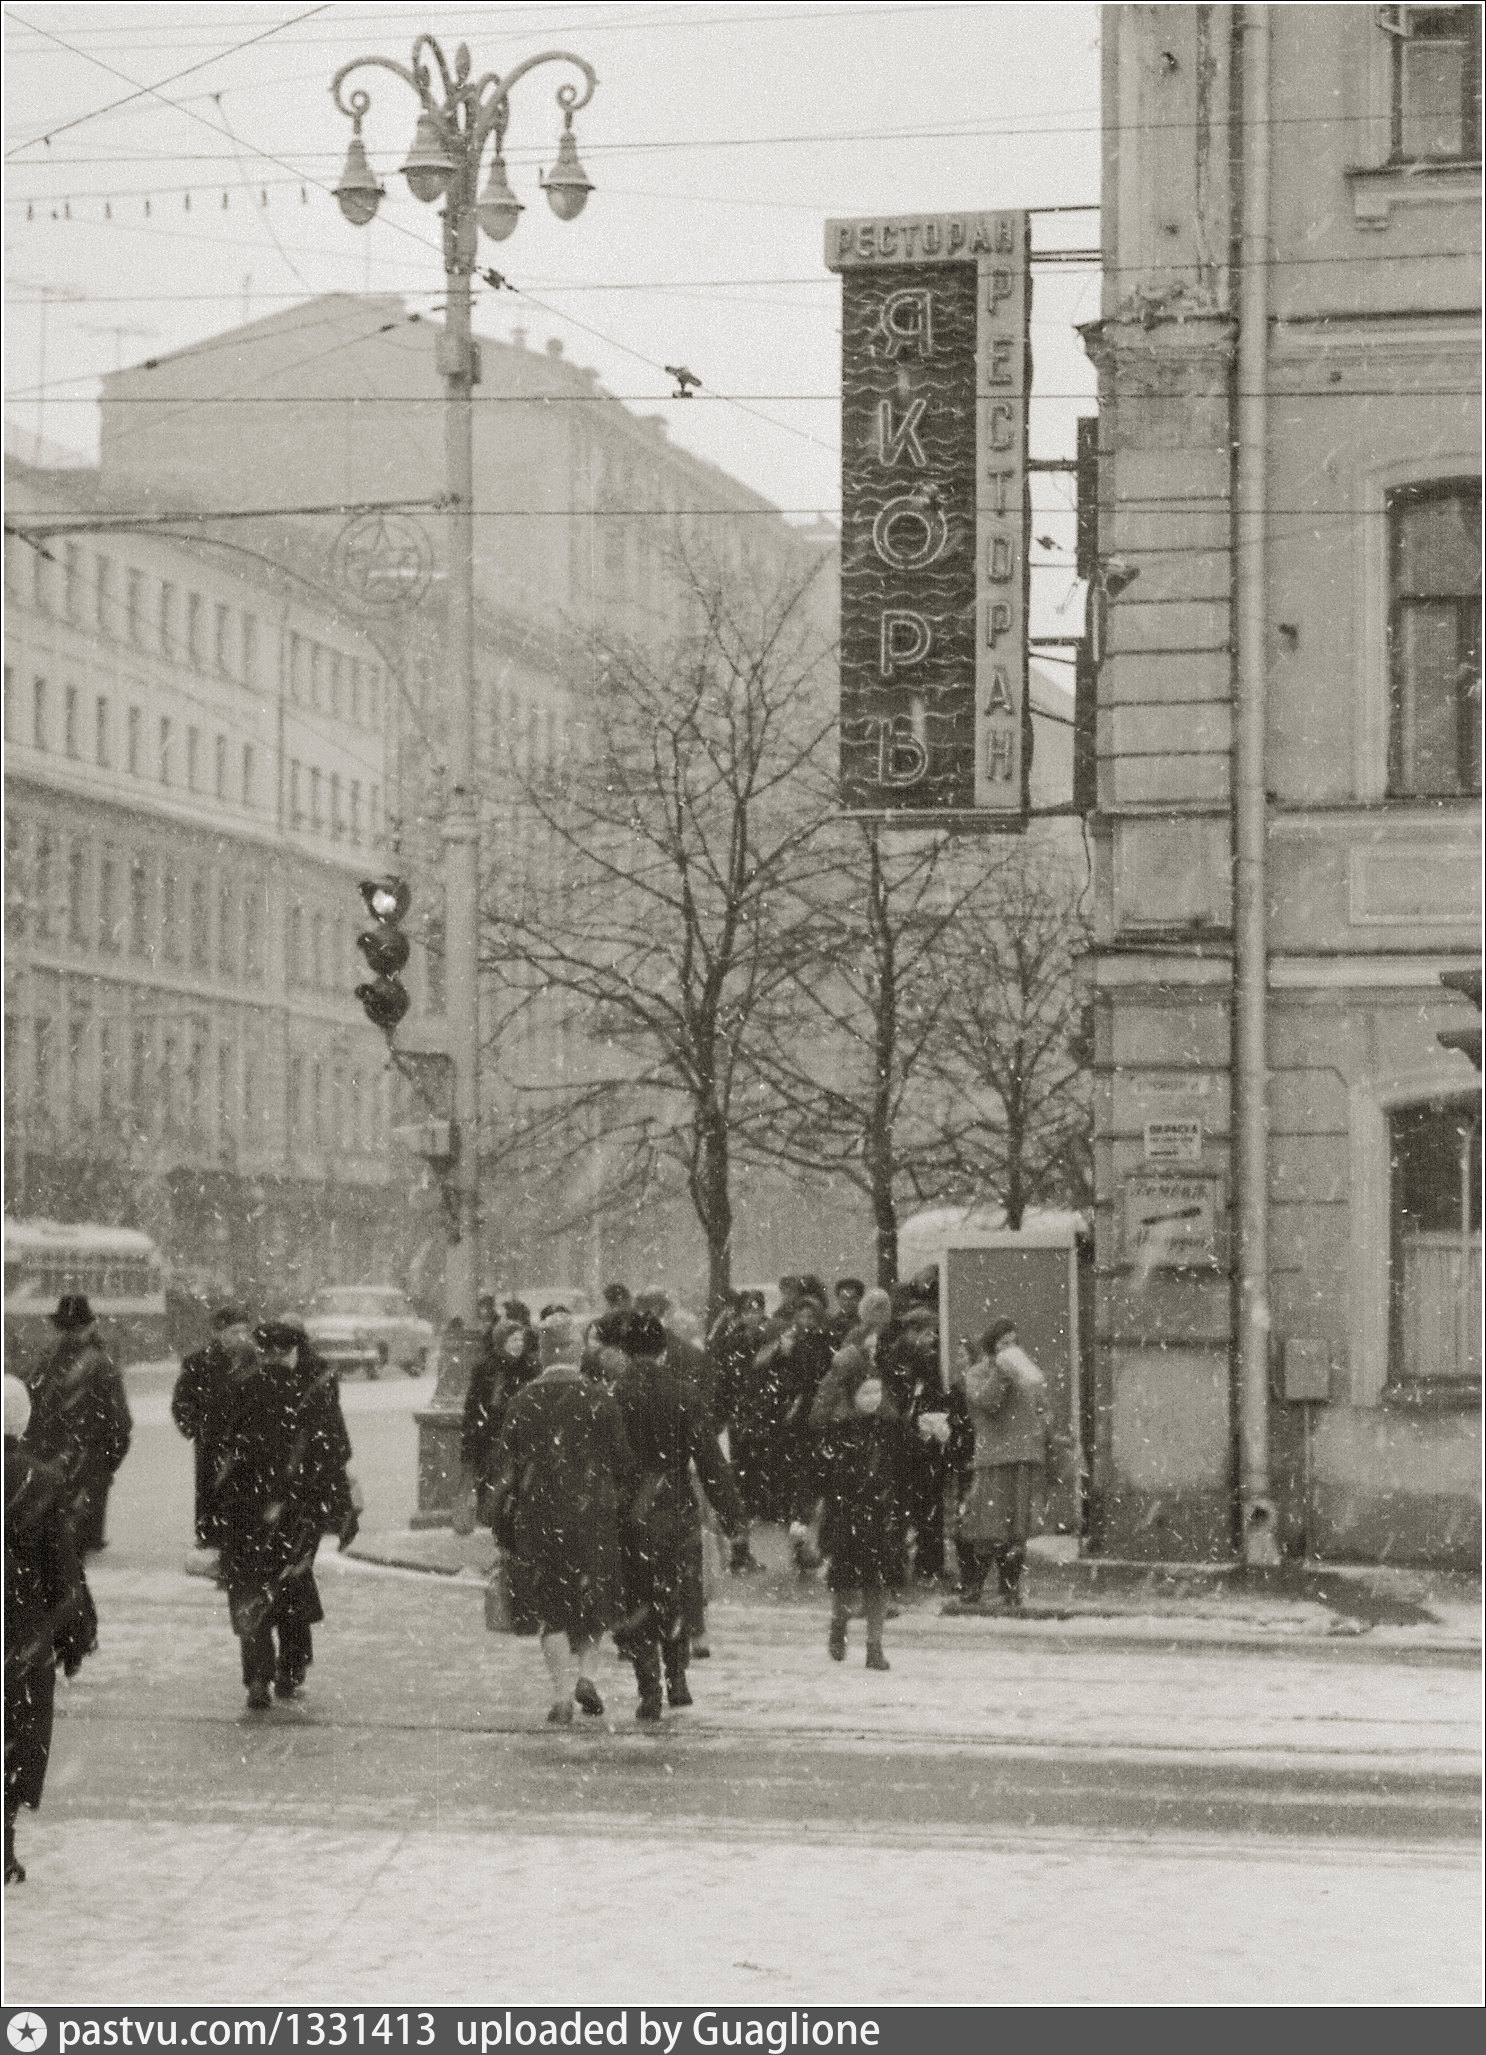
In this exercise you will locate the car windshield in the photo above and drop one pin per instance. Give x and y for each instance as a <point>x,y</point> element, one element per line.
<point>357,1305</point>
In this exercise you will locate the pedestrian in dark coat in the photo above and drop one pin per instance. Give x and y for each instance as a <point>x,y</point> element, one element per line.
<point>566,1473</point>
<point>860,1529</point>
<point>492,1380</point>
<point>200,1402</point>
<point>746,1403</point>
<point>80,1418</point>
<point>669,1434</point>
<point>283,1483</point>
<point>909,1359</point>
<point>49,1616</point>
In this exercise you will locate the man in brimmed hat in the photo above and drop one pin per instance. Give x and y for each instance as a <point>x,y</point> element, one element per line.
<point>199,1404</point>
<point>80,1419</point>
<point>282,1482</point>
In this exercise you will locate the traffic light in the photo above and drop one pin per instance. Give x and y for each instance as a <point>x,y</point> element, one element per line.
<point>385,947</point>
<point>1467,983</point>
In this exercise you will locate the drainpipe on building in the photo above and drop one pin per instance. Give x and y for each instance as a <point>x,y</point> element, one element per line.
<point>1258,1535</point>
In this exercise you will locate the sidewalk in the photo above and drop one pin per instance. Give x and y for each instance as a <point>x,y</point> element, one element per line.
<point>1374,1606</point>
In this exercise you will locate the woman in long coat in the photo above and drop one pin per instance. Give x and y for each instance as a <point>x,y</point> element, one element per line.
<point>282,1484</point>
<point>670,1434</point>
<point>861,1530</point>
<point>566,1473</point>
<point>49,1615</point>
<point>1016,1444</point>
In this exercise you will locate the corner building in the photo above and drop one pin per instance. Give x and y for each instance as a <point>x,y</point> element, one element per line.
<point>1370,596</point>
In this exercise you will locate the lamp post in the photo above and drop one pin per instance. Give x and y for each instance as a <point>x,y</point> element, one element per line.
<point>459,115</point>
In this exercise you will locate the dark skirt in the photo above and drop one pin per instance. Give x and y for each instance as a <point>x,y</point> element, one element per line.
<point>1005,1504</point>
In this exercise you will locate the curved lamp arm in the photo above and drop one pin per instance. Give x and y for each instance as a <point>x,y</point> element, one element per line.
<point>361,101</point>
<point>491,111</point>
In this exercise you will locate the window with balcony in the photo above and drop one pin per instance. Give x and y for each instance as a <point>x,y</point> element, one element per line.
<point>226,938</point>
<point>1434,639</point>
<point>139,907</point>
<point>108,903</point>
<point>170,939</point>
<point>1435,1257</point>
<point>201,931</point>
<point>77,896</point>
<point>1436,83</point>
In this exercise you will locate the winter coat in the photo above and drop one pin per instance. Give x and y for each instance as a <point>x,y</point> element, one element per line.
<point>485,1400</point>
<point>1009,1409</point>
<point>282,1484</point>
<point>747,1397</point>
<point>566,1472</point>
<point>668,1431</point>
<point>199,1406</point>
<point>694,1367</point>
<point>49,1616</point>
<point>861,1524</point>
<point>80,1418</point>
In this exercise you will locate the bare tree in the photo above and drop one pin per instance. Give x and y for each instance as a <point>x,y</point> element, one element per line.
<point>843,1069</point>
<point>659,916</point>
<point>1009,1068</point>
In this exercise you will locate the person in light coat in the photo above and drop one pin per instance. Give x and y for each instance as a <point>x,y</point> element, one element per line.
<point>1016,1446</point>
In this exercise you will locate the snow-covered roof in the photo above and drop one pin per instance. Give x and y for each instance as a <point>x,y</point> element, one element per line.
<point>925,1235</point>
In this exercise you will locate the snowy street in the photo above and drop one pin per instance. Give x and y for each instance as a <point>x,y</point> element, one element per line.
<point>1012,1813</point>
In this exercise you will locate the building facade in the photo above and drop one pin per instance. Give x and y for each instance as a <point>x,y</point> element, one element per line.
<point>195,779</point>
<point>581,505</point>
<point>1360,184</point>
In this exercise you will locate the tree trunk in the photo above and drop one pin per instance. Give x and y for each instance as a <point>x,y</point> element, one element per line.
<point>711,1196</point>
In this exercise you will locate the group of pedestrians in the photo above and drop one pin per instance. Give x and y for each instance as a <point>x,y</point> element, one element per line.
<point>598,1458</point>
<point>596,1463</point>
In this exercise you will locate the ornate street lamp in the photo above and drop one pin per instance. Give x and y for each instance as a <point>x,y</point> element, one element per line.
<point>458,117</point>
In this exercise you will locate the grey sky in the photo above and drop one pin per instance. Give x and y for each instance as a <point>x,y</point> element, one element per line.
<point>720,137</point>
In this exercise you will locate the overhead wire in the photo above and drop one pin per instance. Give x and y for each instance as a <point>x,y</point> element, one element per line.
<point>139,92</point>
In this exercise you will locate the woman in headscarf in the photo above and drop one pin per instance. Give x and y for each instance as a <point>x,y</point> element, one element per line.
<point>49,1617</point>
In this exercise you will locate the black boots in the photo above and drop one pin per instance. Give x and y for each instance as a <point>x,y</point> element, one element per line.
<point>674,1654</point>
<point>647,1676</point>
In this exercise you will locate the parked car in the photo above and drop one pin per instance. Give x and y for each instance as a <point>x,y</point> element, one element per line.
<point>369,1327</point>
